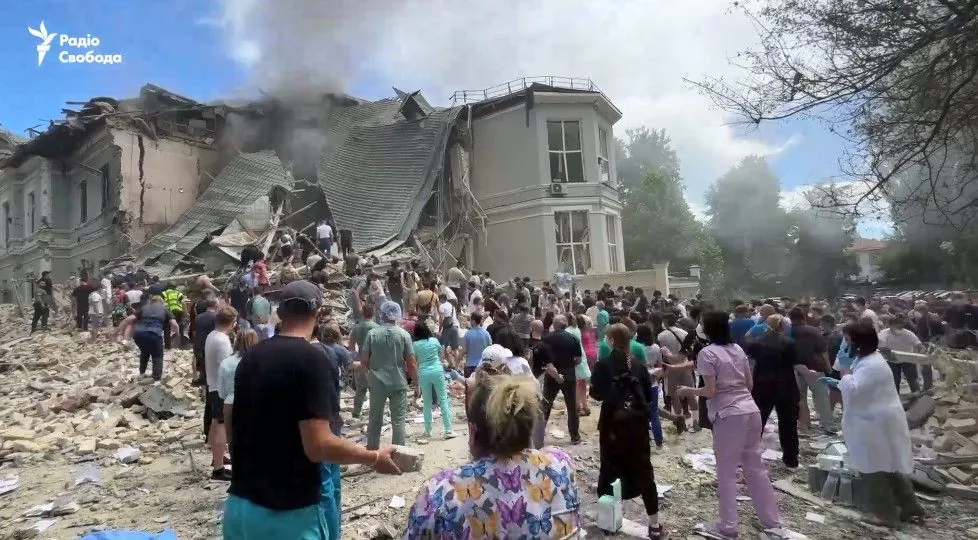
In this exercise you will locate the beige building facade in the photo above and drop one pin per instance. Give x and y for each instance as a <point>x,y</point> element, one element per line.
<point>543,171</point>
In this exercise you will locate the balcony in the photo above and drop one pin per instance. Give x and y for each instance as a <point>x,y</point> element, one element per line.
<point>463,97</point>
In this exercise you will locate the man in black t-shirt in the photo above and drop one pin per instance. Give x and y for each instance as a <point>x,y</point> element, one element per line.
<point>564,354</point>
<point>395,282</point>
<point>279,429</point>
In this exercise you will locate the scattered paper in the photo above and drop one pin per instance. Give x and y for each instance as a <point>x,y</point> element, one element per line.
<point>742,498</point>
<point>663,489</point>
<point>819,445</point>
<point>815,518</point>
<point>557,434</point>
<point>702,461</point>
<point>44,525</point>
<point>771,455</point>
<point>397,502</point>
<point>9,483</point>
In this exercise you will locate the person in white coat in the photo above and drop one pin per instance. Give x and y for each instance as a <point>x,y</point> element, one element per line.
<point>875,430</point>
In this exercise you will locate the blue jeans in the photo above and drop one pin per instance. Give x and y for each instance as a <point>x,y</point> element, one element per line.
<point>654,420</point>
<point>329,498</point>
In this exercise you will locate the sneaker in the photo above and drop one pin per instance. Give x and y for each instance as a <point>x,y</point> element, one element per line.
<point>575,440</point>
<point>223,474</point>
<point>712,531</point>
<point>450,435</point>
<point>781,533</point>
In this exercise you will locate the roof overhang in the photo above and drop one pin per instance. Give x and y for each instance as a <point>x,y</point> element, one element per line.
<point>597,99</point>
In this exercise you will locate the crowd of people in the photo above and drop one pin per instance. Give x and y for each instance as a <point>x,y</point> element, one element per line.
<point>272,376</point>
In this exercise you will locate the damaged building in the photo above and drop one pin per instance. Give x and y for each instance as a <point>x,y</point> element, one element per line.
<point>107,177</point>
<point>517,179</point>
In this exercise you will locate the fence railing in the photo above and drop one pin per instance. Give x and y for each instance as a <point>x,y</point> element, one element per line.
<point>461,97</point>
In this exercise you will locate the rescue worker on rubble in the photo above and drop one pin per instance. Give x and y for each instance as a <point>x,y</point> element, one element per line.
<point>173,298</point>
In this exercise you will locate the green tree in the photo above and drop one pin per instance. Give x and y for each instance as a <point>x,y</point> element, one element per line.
<point>657,224</point>
<point>749,224</point>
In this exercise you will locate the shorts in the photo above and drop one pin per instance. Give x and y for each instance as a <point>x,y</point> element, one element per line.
<point>449,337</point>
<point>95,320</point>
<point>286,251</point>
<point>215,405</point>
<point>673,381</point>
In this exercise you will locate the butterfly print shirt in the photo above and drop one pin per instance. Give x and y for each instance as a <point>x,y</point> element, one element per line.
<point>531,495</point>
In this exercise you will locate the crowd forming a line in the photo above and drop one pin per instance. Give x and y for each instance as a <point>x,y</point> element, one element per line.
<point>273,391</point>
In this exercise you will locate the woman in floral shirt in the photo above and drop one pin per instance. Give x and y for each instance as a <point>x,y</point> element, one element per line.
<point>509,490</point>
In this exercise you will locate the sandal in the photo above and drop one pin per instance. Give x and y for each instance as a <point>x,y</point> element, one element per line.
<point>916,519</point>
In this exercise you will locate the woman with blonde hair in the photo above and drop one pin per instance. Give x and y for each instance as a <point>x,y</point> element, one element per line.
<point>508,490</point>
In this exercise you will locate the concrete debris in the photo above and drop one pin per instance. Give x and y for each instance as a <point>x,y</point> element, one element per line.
<point>407,459</point>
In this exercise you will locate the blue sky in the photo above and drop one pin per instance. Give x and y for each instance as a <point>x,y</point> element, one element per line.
<point>164,42</point>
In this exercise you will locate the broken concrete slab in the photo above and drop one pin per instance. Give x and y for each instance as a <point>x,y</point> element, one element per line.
<point>920,410</point>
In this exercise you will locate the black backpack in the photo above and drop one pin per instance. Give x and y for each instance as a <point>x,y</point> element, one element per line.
<point>628,397</point>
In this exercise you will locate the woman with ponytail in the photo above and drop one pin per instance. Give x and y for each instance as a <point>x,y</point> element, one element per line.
<point>624,388</point>
<point>508,490</point>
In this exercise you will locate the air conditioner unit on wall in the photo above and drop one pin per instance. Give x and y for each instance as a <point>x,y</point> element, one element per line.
<point>556,189</point>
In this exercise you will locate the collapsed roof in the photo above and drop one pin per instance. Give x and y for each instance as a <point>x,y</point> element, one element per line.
<point>376,169</point>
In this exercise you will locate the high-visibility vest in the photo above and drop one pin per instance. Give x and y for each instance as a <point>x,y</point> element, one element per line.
<point>173,299</point>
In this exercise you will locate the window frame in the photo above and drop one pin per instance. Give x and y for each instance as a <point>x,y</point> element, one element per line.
<point>604,159</point>
<point>83,192</point>
<point>563,152</point>
<point>580,246</point>
<point>611,224</point>
<point>31,205</point>
<point>7,222</point>
<point>106,181</point>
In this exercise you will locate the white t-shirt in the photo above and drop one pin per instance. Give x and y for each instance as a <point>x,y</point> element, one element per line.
<point>476,293</point>
<point>654,355</point>
<point>902,340</point>
<point>106,287</point>
<point>872,315</point>
<point>448,292</point>
<point>133,296</point>
<point>455,277</point>
<point>324,232</point>
<point>95,303</point>
<point>217,347</point>
<point>669,339</point>
<point>448,310</point>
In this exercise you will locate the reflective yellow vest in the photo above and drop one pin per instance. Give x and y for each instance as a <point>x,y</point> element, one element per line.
<point>173,300</point>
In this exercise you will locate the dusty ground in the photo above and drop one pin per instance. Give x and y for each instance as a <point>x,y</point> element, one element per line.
<point>169,487</point>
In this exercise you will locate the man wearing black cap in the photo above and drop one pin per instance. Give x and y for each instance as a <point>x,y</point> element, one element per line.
<point>279,429</point>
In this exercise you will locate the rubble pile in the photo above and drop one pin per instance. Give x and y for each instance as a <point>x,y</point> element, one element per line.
<point>68,397</point>
<point>944,427</point>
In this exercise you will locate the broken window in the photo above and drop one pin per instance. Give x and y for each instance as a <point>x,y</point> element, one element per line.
<point>6,224</point>
<point>611,224</point>
<point>105,187</point>
<point>83,195</point>
<point>566,158</point>
<point>31,212</point>
<point>573,236</point>
<point>604,165</point>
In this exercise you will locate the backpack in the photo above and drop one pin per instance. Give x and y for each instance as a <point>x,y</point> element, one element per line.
<point>628,401</point>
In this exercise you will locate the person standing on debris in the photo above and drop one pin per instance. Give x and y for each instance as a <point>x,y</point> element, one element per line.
<point>284,399</point>
<point>431,377</point>
<point>508,489</point>
<point>243,341</point>
<point>203,326</point>
<point>874,426</point>
<point>774,385</point>
<point>475,340</point>
<point>134,295</point>
<point>813,352</point>
<point>96,313</point>
<point>565,354</point>
<point>928,328</point>
<point>357,339</point>
<point>41,311</point>
<point>147,333</point>
<point>47,286</point>
<point>623,386</point>
<point>737,428</point>
<point>395,283</point>
<point>448,322</point>
<point>389,358</point>
<point>174,298</point>
<point>455,280</point>
<point>79,297</point>
<point>337,358</point>
<point>217,347</point>
<point>239,297</point>
<point>324,237</point>
<point>286,246</point>
<point>105,291</point>
<point>260,310</point>
<point>896,337</point>
<point>412,282</point>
